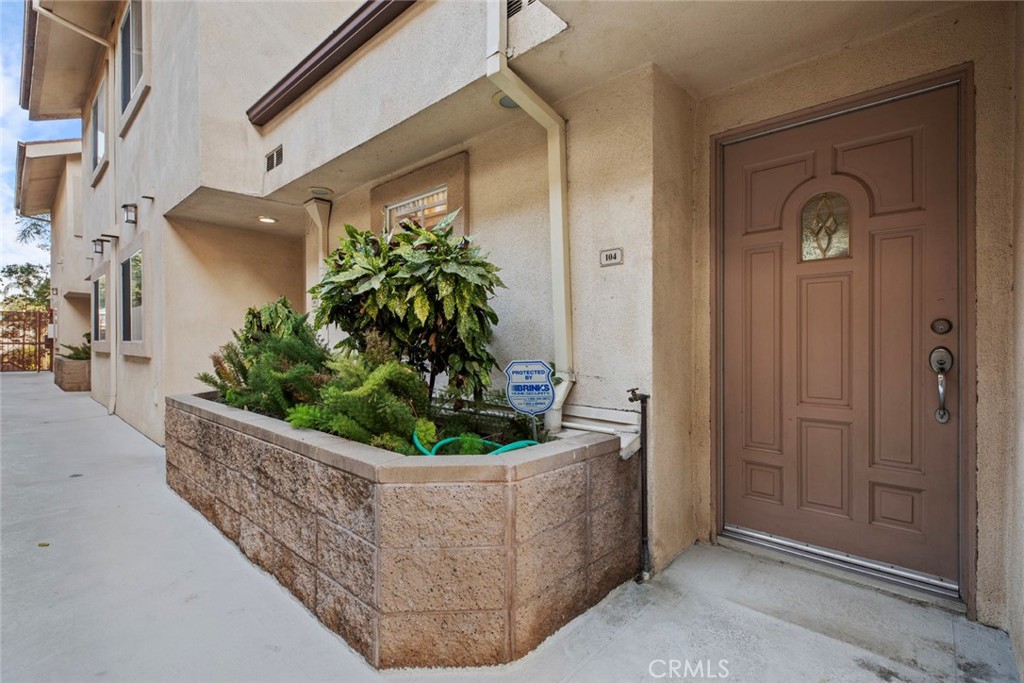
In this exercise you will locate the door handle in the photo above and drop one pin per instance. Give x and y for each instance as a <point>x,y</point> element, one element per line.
<point>941,361</point>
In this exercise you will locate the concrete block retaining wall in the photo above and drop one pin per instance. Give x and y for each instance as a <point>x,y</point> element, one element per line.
<point>414,561</point>
<point>72,375</point>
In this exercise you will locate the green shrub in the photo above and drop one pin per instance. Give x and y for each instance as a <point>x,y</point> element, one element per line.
<point>79,351</point>
<point>425,292</point>
<point>275,362</point>
<point>380,408</point>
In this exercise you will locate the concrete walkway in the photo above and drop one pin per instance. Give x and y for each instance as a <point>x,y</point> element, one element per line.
<point>108,576</point>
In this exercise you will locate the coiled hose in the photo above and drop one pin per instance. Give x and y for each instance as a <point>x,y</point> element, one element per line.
<point>499,449</point>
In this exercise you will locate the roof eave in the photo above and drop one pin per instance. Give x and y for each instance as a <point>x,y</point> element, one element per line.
<point>28,45</point>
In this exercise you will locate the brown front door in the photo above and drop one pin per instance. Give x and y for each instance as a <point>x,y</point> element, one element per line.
<point>840,251</point>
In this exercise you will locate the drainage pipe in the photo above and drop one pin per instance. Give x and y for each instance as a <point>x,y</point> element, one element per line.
<point>645,547</point>
<point>499,73</point>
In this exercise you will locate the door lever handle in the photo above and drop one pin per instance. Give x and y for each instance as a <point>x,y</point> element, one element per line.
<point>941,361</point>
<point>942,415</point>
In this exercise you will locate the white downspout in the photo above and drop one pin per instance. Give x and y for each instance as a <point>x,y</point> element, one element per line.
<point>499,73</point>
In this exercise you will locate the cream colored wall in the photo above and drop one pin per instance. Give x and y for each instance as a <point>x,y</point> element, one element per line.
<point>982,33</point>
<point>433,50</point>
<point>69,265</point>
<point>1015,480</point>
<point>674,496</point>
<point>244,49</point>
<point>213,274</point>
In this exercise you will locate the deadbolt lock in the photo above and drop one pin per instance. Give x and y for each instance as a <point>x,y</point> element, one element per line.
<point>941,326</point>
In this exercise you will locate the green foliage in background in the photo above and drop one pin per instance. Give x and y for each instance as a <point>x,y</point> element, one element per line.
<point>24,287</point>
<point>79,351</point>
<point>275,362</point>
<point>426,291</point>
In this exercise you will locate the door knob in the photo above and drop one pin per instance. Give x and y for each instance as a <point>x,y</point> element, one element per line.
<point>941,361</point>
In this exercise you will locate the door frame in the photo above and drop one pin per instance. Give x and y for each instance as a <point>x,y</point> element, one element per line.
<point>963,77</point>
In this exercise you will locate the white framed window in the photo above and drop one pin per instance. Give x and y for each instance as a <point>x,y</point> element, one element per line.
<point>131,63</point>
<point>425,195</point>
<point>425,209</point>
<point>131,298</point>
<point>99,309</point>
<point>98,127</point>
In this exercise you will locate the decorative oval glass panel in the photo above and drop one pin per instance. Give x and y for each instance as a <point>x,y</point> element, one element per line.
<point>825,227</point>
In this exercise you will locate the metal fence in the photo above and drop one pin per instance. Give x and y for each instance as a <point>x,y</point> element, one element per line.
<point>23,341</point>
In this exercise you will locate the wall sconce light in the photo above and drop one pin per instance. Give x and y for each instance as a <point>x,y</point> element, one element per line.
<point>53,291</point>
<point>97,246</point>
<point>130,213</point>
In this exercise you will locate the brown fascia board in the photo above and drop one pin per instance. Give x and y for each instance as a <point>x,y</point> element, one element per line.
<point>363,24</point>
<point>28,51</point>
<point>19,170</point>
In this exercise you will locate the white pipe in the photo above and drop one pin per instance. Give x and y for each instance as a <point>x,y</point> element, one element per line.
<point>42,11</point>
<point>499,73</point>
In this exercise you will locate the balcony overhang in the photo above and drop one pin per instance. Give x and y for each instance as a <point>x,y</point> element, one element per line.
<point>240,211</point>
<point>360,27</point>
<point>58,64</point>
<point>39,168</point>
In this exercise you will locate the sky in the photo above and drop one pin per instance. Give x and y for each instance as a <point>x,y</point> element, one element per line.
<point>15,126</point>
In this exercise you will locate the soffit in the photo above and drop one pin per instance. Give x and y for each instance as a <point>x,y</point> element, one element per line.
<point>40,167</point>
<point>707,47</point>
<point>233,210</point>
<point>60,64</point>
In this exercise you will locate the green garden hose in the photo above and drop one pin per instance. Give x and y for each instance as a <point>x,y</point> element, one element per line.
<point>515,445</point>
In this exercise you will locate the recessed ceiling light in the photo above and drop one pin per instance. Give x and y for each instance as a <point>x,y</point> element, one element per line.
<point>504,101</point>
<point>319,191</point>
<point>266,219</point>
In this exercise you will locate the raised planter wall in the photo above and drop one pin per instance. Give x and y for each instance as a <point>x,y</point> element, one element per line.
<point>414,561</point>
<point>72,375</point>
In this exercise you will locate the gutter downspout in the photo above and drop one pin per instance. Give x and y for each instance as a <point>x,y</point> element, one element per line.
<point>42,11</point>
<point>499,73</point>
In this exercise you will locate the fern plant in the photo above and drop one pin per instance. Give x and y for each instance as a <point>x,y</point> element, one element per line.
<point>381,408</point>
<point>274,362</point>
<point>79,351</point>
<point>425,291</point>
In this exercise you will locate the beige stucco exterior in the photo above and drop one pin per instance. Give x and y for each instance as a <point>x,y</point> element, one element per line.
<point>49,181</point>
<point>1014,483</point>
<point>68,270</point>
<point>639,129</point>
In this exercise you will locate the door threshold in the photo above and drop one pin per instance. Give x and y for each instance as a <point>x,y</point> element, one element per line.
<point>901,582</point>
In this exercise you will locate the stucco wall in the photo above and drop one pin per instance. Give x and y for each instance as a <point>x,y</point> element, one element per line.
<point>981,33</point>
<point>68,263</point>
<point>213,275</point>
<point>244,49</point>
<point>674,497</point>
<point>1015,480</point>
<point>430,52</point>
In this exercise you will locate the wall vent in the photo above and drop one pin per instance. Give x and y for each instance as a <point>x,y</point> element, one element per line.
<point>275,158</point>
<point>514,6</point>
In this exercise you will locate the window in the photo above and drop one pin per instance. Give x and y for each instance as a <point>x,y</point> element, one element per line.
<point>131,298</point>
<point>426,209</point>
<point>98,124</point>
<point>425,195</point>
<point>131,52</point>
<point>99,309</point>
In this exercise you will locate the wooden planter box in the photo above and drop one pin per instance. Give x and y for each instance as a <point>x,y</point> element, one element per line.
<point>414,561</point>
<point>72,375</point>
